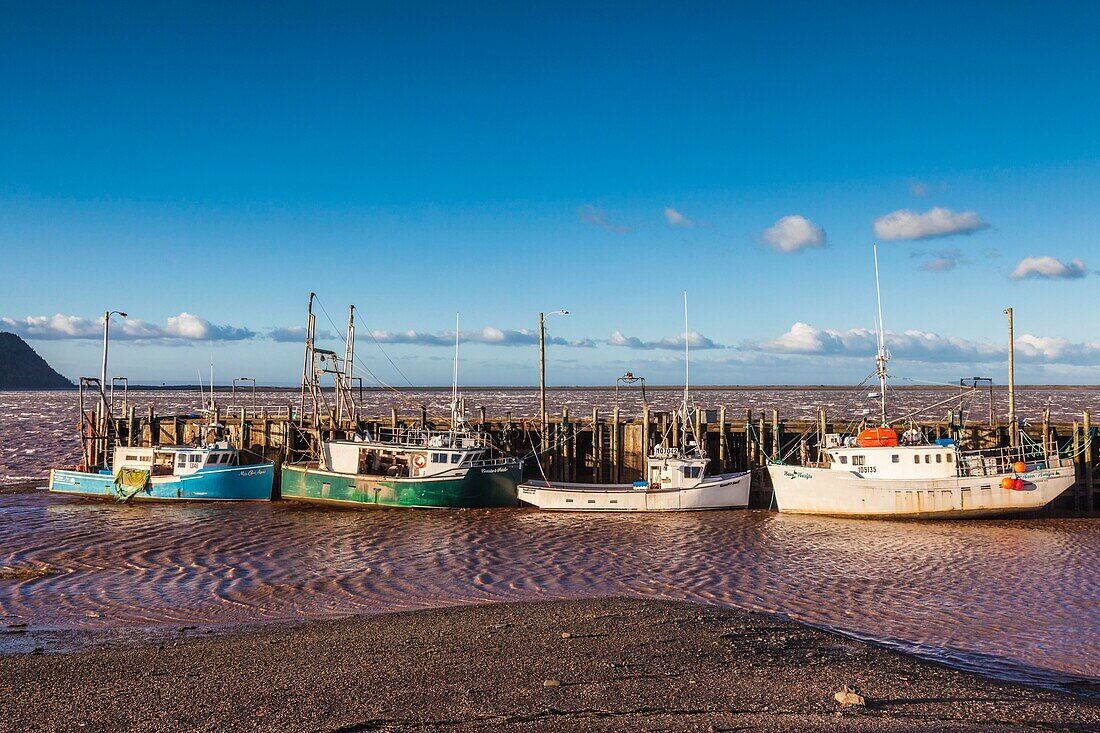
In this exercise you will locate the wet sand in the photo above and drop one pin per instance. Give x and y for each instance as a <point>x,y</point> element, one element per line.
<point>600,664</point>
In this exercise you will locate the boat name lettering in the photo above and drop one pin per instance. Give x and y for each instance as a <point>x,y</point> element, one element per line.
<point>797,474</point>
<point>254,472</point>
<point>502,469</point>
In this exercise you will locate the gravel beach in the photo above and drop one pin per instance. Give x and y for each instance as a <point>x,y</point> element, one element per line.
<point>611,664</point>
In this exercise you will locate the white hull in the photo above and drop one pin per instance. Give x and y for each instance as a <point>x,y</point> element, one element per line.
<point>809,490</point>
<point>727,491</point>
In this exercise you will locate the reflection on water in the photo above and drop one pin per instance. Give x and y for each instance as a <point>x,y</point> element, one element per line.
<point>1009,597</point>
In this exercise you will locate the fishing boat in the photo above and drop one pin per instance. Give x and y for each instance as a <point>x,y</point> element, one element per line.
<point>210,470</point>
<point>170,473</point>
<point>874,474</point>
<point>422,468</point>
<point>675,477</point>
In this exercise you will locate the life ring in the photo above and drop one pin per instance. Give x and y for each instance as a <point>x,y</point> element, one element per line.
<point>420,460</point>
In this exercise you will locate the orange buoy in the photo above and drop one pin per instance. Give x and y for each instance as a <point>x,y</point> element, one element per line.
<point>1018,484</point>
<point>1019,467</point>
<point>1008,483</point>
<point>877,438</point>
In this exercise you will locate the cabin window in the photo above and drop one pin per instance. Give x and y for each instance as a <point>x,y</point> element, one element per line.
<point>182,461</point>
<point>196,459</point>
<point>895,458</point>
<point>456,457</point>
<point>927,458</point>
<point>858,460</point>
<point>844,459</point>
<point>131,458</point>
<point>916,458</point>
<point>939,458</point>
<point>692,471</point>
<point>949,458</point>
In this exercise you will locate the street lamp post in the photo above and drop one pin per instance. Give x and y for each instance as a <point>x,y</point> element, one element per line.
<point>103,372</point>
<point>542,369</point>
<point>245,379</point>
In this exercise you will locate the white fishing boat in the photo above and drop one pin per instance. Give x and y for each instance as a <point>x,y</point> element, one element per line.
<point>675,478</point>
<point>873,474</point>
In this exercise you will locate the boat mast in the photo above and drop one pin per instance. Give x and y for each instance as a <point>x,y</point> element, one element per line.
<point>349,358</point>
<point>881,358</point>
<point>454,381</point>
<point>307,367</point>
<point>687,376</point>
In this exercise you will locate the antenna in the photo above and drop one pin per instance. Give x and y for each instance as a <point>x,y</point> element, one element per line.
<point>881,358</point>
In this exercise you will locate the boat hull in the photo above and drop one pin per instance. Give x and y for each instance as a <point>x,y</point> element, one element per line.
<point>233,483</point>
<point>480,487</point>
<point>811,490</point>
<point>729,491</point>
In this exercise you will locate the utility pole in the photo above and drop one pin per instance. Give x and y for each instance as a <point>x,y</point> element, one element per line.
<point>1012,430</point>
<point>103,372</point>
<point>542,370</point>
<point>542,377</point>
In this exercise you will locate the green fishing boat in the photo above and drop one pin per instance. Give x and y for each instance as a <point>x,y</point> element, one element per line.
<point>435,471</point>
<point>454,468</point>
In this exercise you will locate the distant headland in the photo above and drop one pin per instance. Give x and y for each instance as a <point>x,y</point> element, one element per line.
<point>22,368</point>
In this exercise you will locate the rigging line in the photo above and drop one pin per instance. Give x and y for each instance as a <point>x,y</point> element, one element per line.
<point>377,343</point>
<point>378,380</point>
<point>964,395</point>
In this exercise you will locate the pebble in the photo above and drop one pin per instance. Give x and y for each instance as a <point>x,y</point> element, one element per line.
<point>849,695</point>
<point>551,683</point>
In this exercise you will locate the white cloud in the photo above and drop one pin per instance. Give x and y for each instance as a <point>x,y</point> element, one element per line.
<point>936,222</point>
<point>676,219</point>
<point>694,339</point>
<point>595,216</point>
<point>1048,268</point>
<point>184,327</point>
<point>941,261</point>
<point>803,338</point>
<point>296,334</point>
<point>794,233</point>
<point>489,335</point>
<point>192,328</point>
<point>925,346</point>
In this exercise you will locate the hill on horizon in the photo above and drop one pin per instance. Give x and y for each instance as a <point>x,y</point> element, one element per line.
<point>22,367</point>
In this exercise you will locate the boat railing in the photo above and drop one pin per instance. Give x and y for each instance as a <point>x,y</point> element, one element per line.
<point>434,438</point>
<point>998,461</point>
<point>258,412</point>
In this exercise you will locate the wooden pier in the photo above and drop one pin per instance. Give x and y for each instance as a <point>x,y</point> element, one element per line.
<point>596,446</point>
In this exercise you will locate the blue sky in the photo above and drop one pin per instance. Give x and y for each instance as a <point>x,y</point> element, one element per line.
<point>204,167</point>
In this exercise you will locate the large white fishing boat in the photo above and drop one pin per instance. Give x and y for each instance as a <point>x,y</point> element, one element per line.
<point>675,478</point>
<point>873,474</point>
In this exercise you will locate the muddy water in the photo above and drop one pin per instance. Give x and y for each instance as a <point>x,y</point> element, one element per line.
<point>1015,598</point>
<point>38,428</point>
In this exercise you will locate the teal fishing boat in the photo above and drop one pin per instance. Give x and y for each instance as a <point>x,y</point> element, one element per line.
<point>425,470</point>
<point>454,468</point>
